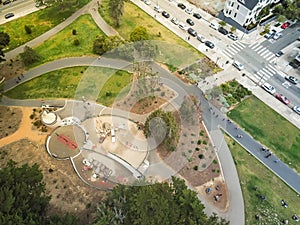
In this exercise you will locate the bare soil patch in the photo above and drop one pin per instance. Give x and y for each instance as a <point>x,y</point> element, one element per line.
<point>11,69</point>
<point>147,105</point>
<point>10,119</point>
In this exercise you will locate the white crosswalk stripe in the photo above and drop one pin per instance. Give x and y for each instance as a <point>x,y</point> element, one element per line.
<point>265,73</point>
<point>233,49</point>
<point>263,52</point>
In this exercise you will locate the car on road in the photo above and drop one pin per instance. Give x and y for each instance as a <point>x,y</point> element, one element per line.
<point>165,14</point>
<point>197,15</point>
<point>181,5</point>
<point>278,54</point>
<point>222,30</point>
<point>238,65</point>
<point>9,15</point>
<point>277,36</point>
<point>210,44</point>
<point>269,88</point>
<point>232,37</point>
<point>200,38</point>
<point>292,79</point>
<point>189,11</point>
<point>214,26</point>
<point>283,99</point>
<point>192,32</point>
<point>182,26</point>
<point>175,21</point>
<point>158,9</point>
<point>297,109</point>
<point>6,2</point>
<point>285,25</point>
<point>190,22</point>
<point>270,34</point>
<point>147,2</point>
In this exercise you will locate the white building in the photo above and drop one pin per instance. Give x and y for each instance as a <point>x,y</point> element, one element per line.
<point>245,12</point>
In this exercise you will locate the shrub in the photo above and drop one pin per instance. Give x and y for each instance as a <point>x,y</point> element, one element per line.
<point>201,156</point>
<point>204,142</point>
<point>197,149</point>
<point>27,29</point>
<point>215,161</point>
<point>199,142</point>
<point>76,42</point>
<point>196,168</point>
<point>74,32</point>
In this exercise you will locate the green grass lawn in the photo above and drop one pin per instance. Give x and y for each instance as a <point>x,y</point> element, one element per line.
<point>64,83</point>
<point>61,45</point>
<point>175,51</point>
<point>39,22</point>
<point>253,174</point>
<point>269,128</point>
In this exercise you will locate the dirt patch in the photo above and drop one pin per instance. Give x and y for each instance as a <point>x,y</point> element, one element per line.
<point>213,7</point>
<point>10,120</point>
<point>147,105</point>
<point>11,69</point>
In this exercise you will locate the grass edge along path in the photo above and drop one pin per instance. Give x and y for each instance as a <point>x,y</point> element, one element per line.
<point>63,83</point>
<point>269,128</point>
<point>257,180</point>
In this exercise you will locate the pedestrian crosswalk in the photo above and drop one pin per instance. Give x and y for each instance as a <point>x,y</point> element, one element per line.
<point>265,73</point>
<point>233,49</point>
<point>263,52</point>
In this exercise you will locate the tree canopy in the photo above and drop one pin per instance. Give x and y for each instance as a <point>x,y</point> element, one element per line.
<point>140,33</point>
<point>104,44</point>
<point>29,56</point>
<point>290,9</point>
<point>23,199</point>
<point>116,9</point>
<point>4,41</point>
<point>159,203</point>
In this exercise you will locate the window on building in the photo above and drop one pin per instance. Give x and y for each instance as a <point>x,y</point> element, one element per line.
<point>238,6</point>
<point>235,14</point>
<point>247,20</point>
<point>230,12</point>
<point>232,4</point>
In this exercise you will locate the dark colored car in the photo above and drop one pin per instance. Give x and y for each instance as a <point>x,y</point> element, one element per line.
<point>222,30</point>
<point>182,6</point>
<point>285,25</point>
<point>209,44</point>
<point>197,15</point>
<point>165,14</point>
<point>190,22</point>
<point>6,2</point>
<point>292,79</point>
<point>192,32</point>
<point>9,15</point>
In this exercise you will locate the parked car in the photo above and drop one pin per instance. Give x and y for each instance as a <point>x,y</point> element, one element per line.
<point>269,88</point>
<point>182,26</point>
<point>222,30</point>
<point>297,109</point>
<point>158,9</point>
<point>165,14</point>
<point>283,99</point>
<point>210,44</point>
<point>270,34</point>
<point>197,15</point>
<point>277,36</point>
<point>189,11</point>
<point>9,15</point>
<point>278,54</point>
<point>232,37</point>
<point>192,32</point>
<point>285,25</point>
<point>200,38</point>
<point>147,2</point>
<point>6,2</point>
<point>182,6</point>
<point>175,21</point>
<point>292,79</point>
<point>213,26</point>
<point>238,65</point>
<point>190,22</point>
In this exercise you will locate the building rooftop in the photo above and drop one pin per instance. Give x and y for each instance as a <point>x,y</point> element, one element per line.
<point>249,4</point>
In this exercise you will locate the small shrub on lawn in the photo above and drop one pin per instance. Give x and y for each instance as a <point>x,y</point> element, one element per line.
<point>215,161</point>
<point>201,156</point>
<point>197,149</point>
<point>204,142</point>
<point>199,142</point>
<point>196,168</point>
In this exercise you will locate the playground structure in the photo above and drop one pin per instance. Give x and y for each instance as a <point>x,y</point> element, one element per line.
<point>66,141</point>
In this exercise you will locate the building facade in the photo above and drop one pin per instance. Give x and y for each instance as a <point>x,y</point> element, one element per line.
<point>245,12</point>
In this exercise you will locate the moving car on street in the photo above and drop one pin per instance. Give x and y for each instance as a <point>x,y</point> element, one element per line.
<point>292,79</point>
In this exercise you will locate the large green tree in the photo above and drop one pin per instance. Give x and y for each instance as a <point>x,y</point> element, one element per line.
<point>116,9</point>
<point>156,204</point>
<point>4,41</point>
<point>290,9</point>
<point>140,33</point>
<point>29,56</point>
<point>104,44</point>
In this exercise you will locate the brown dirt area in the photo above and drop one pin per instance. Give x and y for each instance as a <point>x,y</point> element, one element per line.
<point>213,7</point>
<point>14,116</point>
<point>69,193</point>
<point>12,69</point>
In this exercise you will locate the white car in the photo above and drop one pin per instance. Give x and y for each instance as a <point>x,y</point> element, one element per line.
<point>277,36</point>
<point>189,11</point>
<point>297,109</point>
<point>158,9</point>
<point>147,2</point>
<point>201,38</point>
<point>269,88</point>
<point>238,65</point>
<point>175,21</point>
<point>183,26</point>
<point>214,26</point>
<point>232,37</point>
